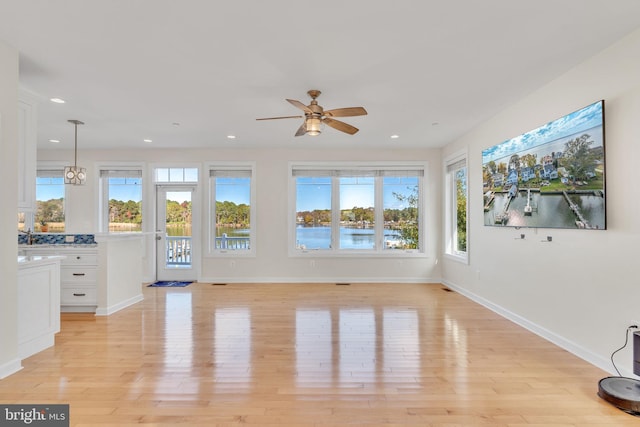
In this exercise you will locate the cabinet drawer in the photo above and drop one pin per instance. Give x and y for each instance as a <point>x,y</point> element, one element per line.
<point>79,259</point>
<point>78,296</point>
<point>77,274</point>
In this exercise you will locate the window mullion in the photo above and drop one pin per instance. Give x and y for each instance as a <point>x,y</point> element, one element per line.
<point>378,204</point>
<point>335,213</point>
<point>212,213</point>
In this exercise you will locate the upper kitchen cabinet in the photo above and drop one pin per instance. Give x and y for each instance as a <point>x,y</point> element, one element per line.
<point>27,140</point>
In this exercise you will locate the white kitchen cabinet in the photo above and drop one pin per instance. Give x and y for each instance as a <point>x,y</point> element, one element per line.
<point>78,276</point>
<point>79,281</point>
<point>27,148</point>
<point>38,303</point>
<point>99,278</point>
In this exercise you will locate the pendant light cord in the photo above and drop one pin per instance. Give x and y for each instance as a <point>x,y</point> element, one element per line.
<point>75,150</point>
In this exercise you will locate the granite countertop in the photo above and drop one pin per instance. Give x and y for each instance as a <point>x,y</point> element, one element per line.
<point>58,246</point>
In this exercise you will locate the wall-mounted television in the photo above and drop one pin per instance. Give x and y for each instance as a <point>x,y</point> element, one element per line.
<point>549,177</point>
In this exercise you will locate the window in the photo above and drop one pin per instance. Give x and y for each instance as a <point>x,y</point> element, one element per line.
<point>232,209</point>
<point>373,209</point>
<point>456,208</point>
<point>175,175</point>
<point>49,217</point>
<point>313,212</point>
<point>121,200</point>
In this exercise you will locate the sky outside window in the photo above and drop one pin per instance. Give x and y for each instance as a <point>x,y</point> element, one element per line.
<point>125,189</point>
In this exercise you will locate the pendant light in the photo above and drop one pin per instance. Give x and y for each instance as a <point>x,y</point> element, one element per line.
<point>73,174</point>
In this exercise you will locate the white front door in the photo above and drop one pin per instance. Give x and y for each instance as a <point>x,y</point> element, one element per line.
<point>175,246</point>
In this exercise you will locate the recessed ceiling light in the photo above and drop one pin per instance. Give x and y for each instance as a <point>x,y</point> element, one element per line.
<point>54,141</point>
<point>57,100</point>
<point>231,137</point>
<point>395,136</point>
<point>147,140</point>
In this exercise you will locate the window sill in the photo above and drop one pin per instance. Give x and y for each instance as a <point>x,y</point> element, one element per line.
<point>324,253</point>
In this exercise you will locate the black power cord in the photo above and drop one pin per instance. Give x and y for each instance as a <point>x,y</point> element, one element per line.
<point>626,341</point>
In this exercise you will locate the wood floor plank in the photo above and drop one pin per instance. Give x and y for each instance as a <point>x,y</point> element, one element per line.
<point>315,355</point>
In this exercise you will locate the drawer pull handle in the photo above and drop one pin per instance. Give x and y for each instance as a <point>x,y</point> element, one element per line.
<point>77,257</point>
<point>78,274</point>
<point>79,295</point>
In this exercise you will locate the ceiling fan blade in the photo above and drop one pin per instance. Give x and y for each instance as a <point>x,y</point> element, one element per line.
<point>302,129</point>
<point>283,117</point>
<point>341,126</point>
<point>346,112</point>
<point>300,105</point>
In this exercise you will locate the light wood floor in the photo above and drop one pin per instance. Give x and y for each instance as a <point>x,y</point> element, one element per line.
<point>310,355</point>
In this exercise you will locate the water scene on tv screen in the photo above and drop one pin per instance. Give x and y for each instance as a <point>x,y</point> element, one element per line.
<point>550,177</point>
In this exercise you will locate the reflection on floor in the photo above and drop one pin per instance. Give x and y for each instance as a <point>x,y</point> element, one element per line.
<point>309,355</point>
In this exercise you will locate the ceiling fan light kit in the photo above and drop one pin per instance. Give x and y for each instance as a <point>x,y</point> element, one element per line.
<point>315,116</point>
<point>312,126</point>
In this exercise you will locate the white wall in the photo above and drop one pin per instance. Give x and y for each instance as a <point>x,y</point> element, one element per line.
<point>9,361</point>
<point>272,262</point>
<point>582,290</point>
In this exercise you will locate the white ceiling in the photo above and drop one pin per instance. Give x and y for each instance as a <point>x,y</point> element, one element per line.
<point>426,70</point>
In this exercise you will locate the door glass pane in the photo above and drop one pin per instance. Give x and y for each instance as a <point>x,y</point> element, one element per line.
<point>313,212</point>
<point>178,229</point>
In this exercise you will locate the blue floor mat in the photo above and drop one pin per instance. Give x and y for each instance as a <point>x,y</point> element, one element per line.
<point>169,284</point>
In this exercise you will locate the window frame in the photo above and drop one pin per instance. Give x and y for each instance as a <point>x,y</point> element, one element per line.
<point>450,206</point>
<point>211,250</point>
<point>103,194</point>
<point>366,167</point>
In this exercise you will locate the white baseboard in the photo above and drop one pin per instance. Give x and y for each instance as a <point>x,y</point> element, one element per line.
<point>307,279</point>
<point>560,341</point>
<point>106,311</point>
<point>10,368</point>
<point>36,345</point>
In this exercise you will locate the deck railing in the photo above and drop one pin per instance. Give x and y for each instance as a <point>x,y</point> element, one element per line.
<point>233,243</point>
<point>178,250</point>
<point>179,247</point>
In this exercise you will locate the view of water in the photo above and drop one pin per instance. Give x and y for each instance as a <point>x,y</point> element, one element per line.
<point>552,210</point>
<point>350,238</point>
<point>232,232</point>
<point>310,237</point>
<point>177,230</point>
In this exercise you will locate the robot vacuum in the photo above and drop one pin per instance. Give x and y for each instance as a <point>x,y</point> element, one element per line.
<point>621,392</point>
